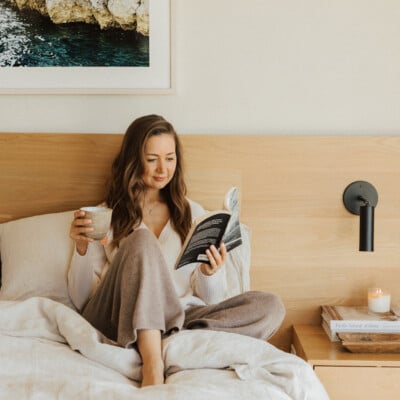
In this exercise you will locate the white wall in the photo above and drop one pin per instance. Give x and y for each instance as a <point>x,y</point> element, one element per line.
<point>255,66</point>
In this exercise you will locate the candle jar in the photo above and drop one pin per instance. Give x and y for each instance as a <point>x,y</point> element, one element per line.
<point>378,300</point>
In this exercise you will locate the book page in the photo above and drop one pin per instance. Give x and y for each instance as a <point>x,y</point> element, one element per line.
<point>232,236</point>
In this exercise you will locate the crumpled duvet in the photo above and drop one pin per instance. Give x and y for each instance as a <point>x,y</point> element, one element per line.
<point>49,351</point>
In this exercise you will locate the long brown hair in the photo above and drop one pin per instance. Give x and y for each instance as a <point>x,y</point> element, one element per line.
<point>126,184</point>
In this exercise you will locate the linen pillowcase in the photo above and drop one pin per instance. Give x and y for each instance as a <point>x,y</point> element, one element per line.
<point>35,254</point>
<point>237,265</point>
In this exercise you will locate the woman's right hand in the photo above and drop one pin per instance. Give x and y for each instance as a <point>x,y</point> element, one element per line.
<point>79,227</point>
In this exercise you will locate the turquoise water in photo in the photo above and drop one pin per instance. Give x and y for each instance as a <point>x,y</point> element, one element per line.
<point>30,40</point>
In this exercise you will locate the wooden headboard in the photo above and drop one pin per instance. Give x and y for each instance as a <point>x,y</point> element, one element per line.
<point>305,243</point>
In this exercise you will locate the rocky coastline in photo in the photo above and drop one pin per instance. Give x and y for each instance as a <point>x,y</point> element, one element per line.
<point>124,14</point>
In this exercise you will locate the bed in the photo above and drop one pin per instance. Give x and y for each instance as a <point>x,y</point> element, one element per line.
<point>49,351</point>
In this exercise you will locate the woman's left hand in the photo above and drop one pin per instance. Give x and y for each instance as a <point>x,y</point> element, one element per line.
<point>217,259</point>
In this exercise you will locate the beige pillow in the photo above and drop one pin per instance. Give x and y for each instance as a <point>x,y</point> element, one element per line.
<point>35,254</point>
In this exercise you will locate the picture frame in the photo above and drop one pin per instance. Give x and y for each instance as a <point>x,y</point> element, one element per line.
<point>154,79</point>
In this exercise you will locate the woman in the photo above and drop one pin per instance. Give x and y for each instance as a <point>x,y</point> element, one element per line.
<point>126,285</point>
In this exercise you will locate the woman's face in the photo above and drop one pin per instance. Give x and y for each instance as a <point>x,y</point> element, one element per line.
<point>159,161</point>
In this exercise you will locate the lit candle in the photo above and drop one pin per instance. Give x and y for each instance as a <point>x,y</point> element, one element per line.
<point>378,300</point>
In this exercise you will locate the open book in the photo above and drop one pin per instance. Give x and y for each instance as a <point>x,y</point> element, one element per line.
<point>212,229</point>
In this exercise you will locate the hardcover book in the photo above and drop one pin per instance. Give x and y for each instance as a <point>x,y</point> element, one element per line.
<point>357,319</point>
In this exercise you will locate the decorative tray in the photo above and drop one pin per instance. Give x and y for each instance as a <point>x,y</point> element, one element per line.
<point>371,342</point>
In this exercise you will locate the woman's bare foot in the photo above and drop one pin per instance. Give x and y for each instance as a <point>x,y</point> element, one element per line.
<point>152,373</point>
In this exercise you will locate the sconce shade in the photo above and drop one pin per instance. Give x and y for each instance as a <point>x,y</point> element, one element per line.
<point>366,228</point>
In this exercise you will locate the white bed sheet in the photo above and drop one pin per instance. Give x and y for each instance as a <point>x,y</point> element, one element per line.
<point>48,351</point>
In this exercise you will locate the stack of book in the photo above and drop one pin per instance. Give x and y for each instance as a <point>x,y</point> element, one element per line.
<point>351,319</point>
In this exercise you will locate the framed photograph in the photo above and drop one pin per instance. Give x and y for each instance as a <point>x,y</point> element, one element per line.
<point>112,53</point>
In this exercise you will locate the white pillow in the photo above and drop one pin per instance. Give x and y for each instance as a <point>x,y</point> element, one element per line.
<point>35,254</point>
<point>237,265</point>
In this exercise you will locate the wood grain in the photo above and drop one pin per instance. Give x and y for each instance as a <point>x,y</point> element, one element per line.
<point>305,243</point>
<point>346,375</point>
<point>370,342</point>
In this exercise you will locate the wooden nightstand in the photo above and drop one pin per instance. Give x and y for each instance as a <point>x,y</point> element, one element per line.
<point>348,375</point>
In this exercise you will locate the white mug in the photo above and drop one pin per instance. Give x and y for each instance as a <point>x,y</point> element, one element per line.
<point>101,221</point>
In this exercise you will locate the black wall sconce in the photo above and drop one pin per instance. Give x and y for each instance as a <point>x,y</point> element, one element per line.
<point>361,198</point>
